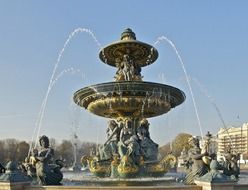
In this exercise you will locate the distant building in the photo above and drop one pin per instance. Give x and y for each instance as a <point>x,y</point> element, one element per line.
<point>237,138</point>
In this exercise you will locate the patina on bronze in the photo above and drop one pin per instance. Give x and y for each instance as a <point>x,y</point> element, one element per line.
<point>129,99</point>
<point>141,53</point>
<point>129,150</point>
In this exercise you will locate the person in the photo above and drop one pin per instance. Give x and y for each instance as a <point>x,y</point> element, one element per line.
<point>47,172</point>
<point>198,167</point>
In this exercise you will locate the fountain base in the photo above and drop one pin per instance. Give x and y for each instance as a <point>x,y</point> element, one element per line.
<point>126,168</point>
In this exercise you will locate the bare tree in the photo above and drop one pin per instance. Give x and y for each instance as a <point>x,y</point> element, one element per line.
<point>11,146</point>
<point>22,151</point>
<point>2,150</point>
<point>65,152</point>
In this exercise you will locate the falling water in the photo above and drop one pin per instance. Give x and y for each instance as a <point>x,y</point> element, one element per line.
<point>119,91</point>
<point>110,101</point>
<point>205,92</point>
<point>38,123</point>
<point>161,77</point>
<point>144,103</point>
<point>61,74</point>
<point>162,38</point>
<point>97,139</point>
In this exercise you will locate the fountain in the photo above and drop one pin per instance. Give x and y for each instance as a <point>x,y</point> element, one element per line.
<point>129,155</point>
<point>128,101</point>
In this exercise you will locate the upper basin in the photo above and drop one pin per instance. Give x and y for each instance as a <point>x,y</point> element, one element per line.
<point>141,53</point>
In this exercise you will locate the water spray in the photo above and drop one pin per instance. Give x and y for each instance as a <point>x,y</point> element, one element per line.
<point>162,38</point>
<point>205,92</point>
<point>38,123</point>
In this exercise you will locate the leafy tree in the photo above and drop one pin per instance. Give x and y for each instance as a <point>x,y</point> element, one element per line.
<point>180,141</point>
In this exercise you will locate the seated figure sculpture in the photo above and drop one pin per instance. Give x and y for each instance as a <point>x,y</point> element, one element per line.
<point>149,149</point>
<point>128,144</point>
<point>48,173</point>
<point>128,152</point>
<point>110,147</point>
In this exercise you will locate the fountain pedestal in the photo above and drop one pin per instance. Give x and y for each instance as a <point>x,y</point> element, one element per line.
<point>215,180</point>
<point>13,179</point>
<point>216,186</point>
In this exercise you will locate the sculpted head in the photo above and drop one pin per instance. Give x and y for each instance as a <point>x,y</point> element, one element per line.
<point>144,122</point>
<point>112,124</point>
<point>44,141</point>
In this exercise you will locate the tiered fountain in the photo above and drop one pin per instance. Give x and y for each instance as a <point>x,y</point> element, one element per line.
<point>128,102</point>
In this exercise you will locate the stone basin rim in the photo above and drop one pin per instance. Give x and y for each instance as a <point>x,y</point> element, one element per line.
<point>127,43</point>
<point>118,86</point>
<point>130,89</point>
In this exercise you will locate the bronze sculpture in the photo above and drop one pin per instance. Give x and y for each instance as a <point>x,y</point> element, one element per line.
<point>198,167</point>
<point>230,166</point>
<point>129,150</point>
<point>47,171</point>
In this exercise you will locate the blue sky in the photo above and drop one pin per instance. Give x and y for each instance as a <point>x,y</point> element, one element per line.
<point>211,37</point>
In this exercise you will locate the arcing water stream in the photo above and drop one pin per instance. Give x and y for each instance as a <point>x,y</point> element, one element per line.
<point>163,38</point>
<point>52,81</point>
<point>204,91</point>
<point>61,74</point>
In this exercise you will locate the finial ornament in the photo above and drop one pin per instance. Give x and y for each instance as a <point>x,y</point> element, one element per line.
<point>128,34</point>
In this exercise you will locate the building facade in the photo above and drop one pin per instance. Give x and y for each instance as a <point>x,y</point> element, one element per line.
<point>236,137</point>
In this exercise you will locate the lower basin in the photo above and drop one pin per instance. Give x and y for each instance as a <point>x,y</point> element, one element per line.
<point>87,179</point>
<point>129,99</point>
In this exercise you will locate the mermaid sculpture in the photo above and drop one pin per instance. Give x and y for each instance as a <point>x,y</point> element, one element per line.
<point>196,158</point>
<point>231,163</point>
<point>47,172</point>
